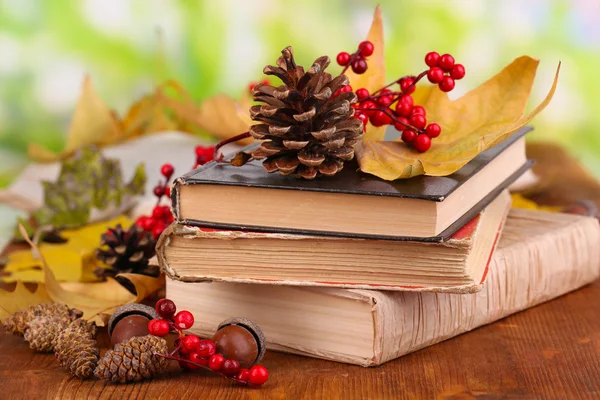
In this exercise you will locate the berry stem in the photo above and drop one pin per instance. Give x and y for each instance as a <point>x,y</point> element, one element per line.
<point>219,157</point>
<point>385,110</point>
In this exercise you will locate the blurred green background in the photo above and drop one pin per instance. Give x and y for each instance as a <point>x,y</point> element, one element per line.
<point>129,46</point>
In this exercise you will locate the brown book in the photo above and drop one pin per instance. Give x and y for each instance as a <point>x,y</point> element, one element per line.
<point>540,256</point>
<point>458,264</point>
<point>349,204</point>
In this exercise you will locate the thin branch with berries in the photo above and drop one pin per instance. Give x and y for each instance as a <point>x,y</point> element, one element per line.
<point>193,353</point>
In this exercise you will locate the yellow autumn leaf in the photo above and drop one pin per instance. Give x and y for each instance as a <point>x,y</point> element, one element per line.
<point>71,261</point>
<point>518,201</point>
<point>471,124</point>
<point>20,298</point>
<point>220,115</point>
<point>95,300</point>
<point>92,123</point>
<point>374,78</point>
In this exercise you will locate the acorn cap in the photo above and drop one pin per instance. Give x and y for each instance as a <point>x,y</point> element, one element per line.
<point>254,329</point>
<point>131,309</point>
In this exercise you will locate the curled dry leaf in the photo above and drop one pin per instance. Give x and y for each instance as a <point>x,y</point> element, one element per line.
<point>471,124</point>
<point>95,300</point>
<point>374,78</point>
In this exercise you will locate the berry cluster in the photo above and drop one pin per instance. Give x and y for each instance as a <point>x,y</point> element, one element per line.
<point>396,107</point>
<point>194,353</point>
<point>357,60</point>
<point>443,71</point>
<point>161,215</point>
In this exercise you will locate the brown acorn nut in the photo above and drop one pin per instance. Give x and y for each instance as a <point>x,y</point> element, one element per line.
<point>129,321</point>
<point>241,339</point>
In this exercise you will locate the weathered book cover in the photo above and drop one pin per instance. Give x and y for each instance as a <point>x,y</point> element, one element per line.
<point>540,256</point>
<point>349,181</point>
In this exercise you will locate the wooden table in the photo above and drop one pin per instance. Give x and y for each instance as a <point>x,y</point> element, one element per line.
<point>550,351</point>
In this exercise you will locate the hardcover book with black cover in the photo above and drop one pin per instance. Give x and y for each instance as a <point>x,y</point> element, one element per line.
<point>349,204</point>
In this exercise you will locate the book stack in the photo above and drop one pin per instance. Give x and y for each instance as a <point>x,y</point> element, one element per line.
<point>360,270</point>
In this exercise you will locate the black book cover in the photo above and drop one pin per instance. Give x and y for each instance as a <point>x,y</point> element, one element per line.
<point>351,181</point>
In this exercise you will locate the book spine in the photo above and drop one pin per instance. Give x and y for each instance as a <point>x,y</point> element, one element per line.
<point>523,274</point>
<point>175,192</point>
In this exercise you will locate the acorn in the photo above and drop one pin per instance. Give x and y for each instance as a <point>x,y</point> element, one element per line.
<point>129,321</point>
<point>241,339</point>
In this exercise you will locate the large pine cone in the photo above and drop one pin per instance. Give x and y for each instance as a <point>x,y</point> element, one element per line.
<point>43,331</point>
<point>307,130</point>
<point>126,251</point>
<point>134,360</point>
<point>18,323</point>
<point>76,348</point>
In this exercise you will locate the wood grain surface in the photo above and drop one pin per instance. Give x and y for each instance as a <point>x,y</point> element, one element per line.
<point>548,352</point>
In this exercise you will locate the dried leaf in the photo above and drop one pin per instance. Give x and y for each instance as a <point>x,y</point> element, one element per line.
<point>92,123</point>
<point>220,115</point>
<point>518,201</point>
<point>374,78</point>
<point>86,181</point>
<point>471,124</point>
<point>95,303</point>
<point>144,285</point>
<point>71,261</point>
<point>21,298</point>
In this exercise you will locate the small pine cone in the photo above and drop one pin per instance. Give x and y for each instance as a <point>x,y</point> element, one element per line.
<point>76,348</point>
<point>19,321</point>
<point>134,360</point>
<point>42,331</point>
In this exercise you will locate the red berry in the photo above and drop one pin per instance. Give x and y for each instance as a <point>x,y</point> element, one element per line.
<point>215,362</point>
<point>458,71</point>
<point>146,223</point>
<point>168,191</point>
<point>258,375</point>
<point>346,89</point>
<point>167,170</point>
<point>251,86</point>
<point>243,375</point>
<point>195,357</point>
<point>157,212</point>
<point>184,319</point>
<point>207,348</point>
<point>362,94</point>
<point>386,99</point>
<point>158,229</point>
<point>400,124</point>
<point>405,84</point>
<point>158,327</point>
<point>404,108</point>
<point>446,62</point>
<point>435,75</point>
<point>422,143</point>
<point>343,58</point>
<point>230,367</point>
<point>185,365</point>
<point>369,108</point>
<point>159,190</point>
<point>432,59</point>
<point>433,130</point>
<point>359,66</point>
<point>366,48</point>
<point>204,154</point>
<point>418,110</point>
<point>266,82</point>
<point>447,84</point>
<point>362,117</point>
<point>408,136</point>
<point>165,308</point>
<point>380,119</point>
<point>190,343</point>
<point>418,121</point>
<point>407,98</point>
